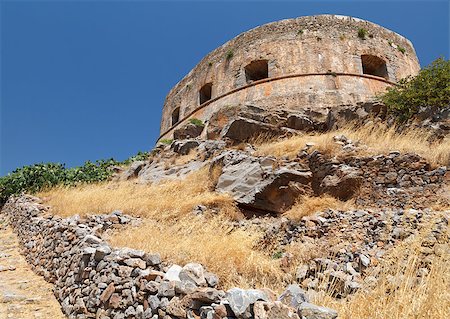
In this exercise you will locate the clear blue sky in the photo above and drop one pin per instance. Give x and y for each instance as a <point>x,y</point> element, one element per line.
<point>87,80</point>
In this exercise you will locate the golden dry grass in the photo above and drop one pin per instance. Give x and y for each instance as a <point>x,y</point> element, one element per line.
<point>228,253</point>
<point>167,200</point>
<point>399,294</point>
<point>377,137</point>
<point>307,205</point>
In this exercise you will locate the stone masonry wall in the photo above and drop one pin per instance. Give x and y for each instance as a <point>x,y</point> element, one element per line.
<point>95,280</point>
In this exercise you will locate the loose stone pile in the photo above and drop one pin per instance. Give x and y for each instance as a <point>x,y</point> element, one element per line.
<point>94,280</point>
<point>349,245</point>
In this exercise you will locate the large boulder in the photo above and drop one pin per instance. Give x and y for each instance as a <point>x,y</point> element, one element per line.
<point>189,130</point>
<point>261,183</point>
<point>244,129</point>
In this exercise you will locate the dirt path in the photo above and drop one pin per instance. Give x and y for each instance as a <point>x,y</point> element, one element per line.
<point>23,294</point>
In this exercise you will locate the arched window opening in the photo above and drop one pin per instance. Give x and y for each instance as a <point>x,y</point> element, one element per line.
<point>205,93</point>
<point>256,70</point>
<point>175,116</point>
<point>374,65</point>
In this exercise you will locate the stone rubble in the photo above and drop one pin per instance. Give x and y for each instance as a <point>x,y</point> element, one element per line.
<point>351,243</point>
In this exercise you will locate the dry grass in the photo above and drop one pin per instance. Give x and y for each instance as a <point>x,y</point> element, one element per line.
<point>184,159</point>
<point>306,206</point>
<point>168,200</point>
<point>378,138</point>
<point>399,294</point>
<point>228,253</point>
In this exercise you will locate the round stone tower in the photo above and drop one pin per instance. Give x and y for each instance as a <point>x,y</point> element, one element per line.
<point>314,61</point>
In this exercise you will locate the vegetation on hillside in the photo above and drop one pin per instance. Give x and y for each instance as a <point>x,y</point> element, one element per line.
<point>431,87</point>
<point>33,178</point>
<point>378,138</point>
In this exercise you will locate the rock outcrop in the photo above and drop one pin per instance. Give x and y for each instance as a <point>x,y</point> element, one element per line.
<point>262,183</point>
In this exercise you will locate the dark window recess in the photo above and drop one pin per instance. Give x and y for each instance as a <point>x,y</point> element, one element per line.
<point>257,70</point>
<point>205,93</point>
<point>374,65</point>
<point>175,116</point>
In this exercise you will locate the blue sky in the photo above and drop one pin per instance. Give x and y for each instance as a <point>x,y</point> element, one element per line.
<point>87,80</point>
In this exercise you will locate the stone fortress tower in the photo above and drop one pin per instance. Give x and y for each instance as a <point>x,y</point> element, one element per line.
<point>314,61</point>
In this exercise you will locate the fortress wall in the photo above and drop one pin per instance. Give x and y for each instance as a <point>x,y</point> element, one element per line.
<point>317,44</point>
<point>315,91</point>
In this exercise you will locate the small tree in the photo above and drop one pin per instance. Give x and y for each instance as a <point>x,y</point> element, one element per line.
<point>431,87</point>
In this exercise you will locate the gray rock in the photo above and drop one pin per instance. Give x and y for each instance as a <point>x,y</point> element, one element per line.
<point>153,259</point>
<point>211,279</point>
<point>183,147</point>
<point>310,311</point>
<point>293,296</point>
<point>190,130</point>
<point>240,300</point>
<point>173,273</point>
<point>153,302</point>
<point>255,183</point>
<point>132,171</point>
<point>243,129</point>
<point>184,287</point>
<point>101,252</point>
<point>166,289</point>
<point>299,122</point>
<point>91,239</point>
<point>194,273</point>
<point>365,261</point>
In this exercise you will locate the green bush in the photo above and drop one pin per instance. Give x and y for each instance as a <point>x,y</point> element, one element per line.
<point>196,122</point>
<point>362,33</point>
<point>166,141</point>
<point>431,87</point>
<point>34,178</point>
<point>229,54</point>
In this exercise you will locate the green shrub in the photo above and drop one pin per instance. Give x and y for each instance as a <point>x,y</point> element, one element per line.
<point>196,122</point>
<point>431,87</point>
<point>277,255</point>
<point>166,141</point>
<point>229,54</point>
<point>33,178</point>
<point>362,33</point>
<point>401,49</point>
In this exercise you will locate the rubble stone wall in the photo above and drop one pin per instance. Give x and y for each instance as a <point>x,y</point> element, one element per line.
<point>313,61</point>
<point>94,280</point>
